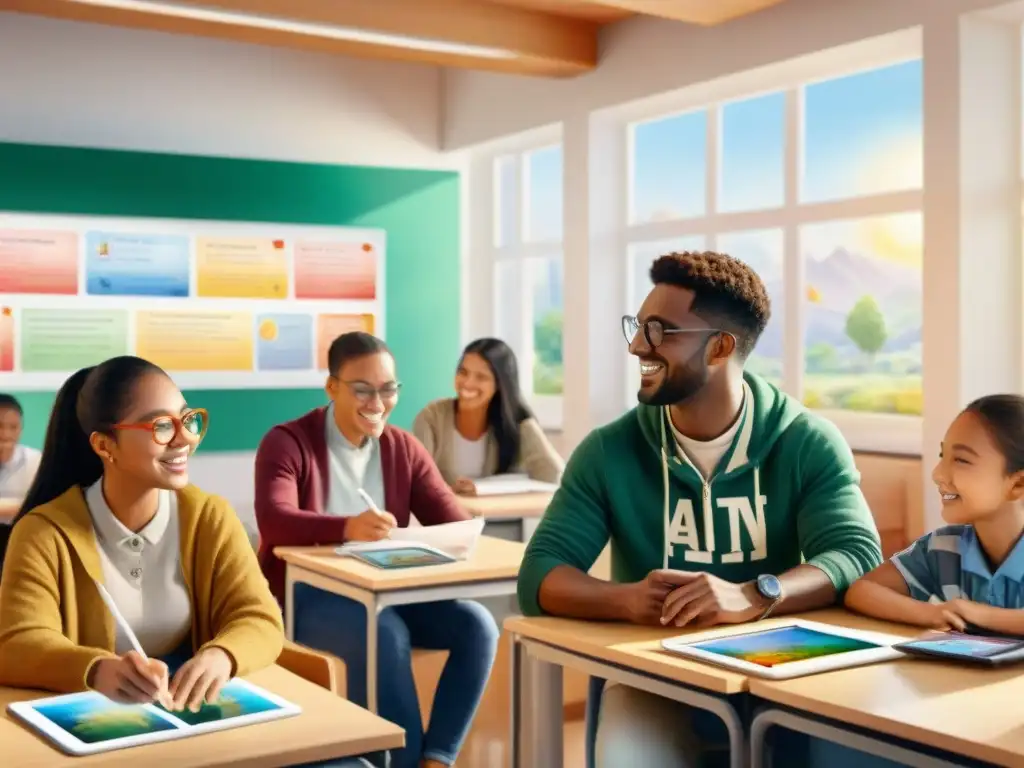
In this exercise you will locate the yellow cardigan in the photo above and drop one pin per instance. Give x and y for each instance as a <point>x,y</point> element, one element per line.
<point>54,625</point>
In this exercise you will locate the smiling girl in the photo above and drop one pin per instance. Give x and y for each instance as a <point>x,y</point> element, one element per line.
<point>970,573</point>
<point>111,504</point>
<point>487,429</point>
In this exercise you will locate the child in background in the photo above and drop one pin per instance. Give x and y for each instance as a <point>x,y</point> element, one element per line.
<point>968,575</point>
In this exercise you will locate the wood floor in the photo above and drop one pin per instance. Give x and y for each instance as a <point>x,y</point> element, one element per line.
<point>488,742</point>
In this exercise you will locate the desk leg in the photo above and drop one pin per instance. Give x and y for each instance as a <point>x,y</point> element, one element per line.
<point>289,603</point>
<point>372,617</point>
<point>537,710</point>
<point>771,716</point>
<point>529,526</point>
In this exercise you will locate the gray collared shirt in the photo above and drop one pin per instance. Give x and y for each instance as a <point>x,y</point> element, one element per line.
<point>352,467</point>
<point>142,573</point>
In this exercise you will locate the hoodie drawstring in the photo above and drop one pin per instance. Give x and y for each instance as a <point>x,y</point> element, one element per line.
<point>664,479</point>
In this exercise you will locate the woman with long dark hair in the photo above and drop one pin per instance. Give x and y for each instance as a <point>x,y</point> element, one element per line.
<point>487,428</point>
<point>111,505</point>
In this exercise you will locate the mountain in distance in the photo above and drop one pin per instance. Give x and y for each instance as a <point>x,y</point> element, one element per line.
<point>841,279</point>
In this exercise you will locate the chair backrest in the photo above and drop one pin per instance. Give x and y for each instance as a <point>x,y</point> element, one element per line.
<point>318,668</point>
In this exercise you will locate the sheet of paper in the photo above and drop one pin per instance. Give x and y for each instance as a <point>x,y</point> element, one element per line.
<point>500,485</point>
<point>457,540</point>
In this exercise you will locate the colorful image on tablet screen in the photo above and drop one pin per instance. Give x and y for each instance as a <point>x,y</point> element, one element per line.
<point>94,718</point>
<point>785,645</point>
<point>962,645</point>
<point>235,701</point>
<point>404,558</point>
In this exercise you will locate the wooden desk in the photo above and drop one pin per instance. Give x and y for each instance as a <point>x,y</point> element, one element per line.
<point>491,571</point>
<point>528,508</point>
<point>328,728</point>
<point>968,712</point>
<point>632,655</point>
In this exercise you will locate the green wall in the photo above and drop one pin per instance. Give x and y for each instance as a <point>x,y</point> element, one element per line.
<point>418,209</point>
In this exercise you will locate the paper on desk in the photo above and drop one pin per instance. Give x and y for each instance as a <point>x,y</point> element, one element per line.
<point>457,540</point>
<point>500,485</point>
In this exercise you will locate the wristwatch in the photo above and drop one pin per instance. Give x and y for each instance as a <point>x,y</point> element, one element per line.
<point>770,588</point>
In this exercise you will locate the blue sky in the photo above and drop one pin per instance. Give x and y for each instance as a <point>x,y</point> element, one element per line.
<point>862,135</point>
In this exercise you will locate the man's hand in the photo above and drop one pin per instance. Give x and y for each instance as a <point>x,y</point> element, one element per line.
<point>647,597</point>
<point>369,526</point>
<point>704,600</point>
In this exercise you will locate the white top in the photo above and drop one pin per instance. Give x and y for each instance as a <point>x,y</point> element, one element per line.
<point>352,467</point>
<point>17,474</point>
<point>470,459</point>
<point>142,573</point>
<point>705,454</point>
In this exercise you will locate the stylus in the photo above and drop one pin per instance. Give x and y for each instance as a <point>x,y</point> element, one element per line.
<point>369,502</point>
<point>121,621</point>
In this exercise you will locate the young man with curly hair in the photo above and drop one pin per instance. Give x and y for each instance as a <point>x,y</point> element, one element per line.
<point>724,499</point>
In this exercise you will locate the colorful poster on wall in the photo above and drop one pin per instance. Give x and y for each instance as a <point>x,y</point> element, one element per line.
<point>216,304</point>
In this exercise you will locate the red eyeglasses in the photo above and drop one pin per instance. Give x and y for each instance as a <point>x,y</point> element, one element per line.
<point>192,425</point>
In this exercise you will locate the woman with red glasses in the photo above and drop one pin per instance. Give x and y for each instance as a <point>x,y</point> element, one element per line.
<point>111,504</point>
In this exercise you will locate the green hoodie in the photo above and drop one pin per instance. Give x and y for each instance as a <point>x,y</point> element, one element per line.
<point>787,491</point>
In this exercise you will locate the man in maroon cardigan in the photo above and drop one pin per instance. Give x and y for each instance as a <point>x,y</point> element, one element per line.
<point>309,474</point>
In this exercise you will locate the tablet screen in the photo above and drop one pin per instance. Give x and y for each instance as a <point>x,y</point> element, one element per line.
<point>772,647</point>
<point>92,718</point>
<point>956,644</point>
<point>406,557</point>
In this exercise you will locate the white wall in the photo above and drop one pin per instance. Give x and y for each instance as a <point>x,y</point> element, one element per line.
<point>74,84</point>
<point>643,57</point>
<point>88,85</point>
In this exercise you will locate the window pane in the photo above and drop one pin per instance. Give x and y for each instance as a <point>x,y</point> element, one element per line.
<point>508,303</point>
<point>546,282</point>
<point>763,250</point>
<point>863,314</point>
<point>506,203</point>
<point>543,201</point>
<point>753,154</point>
<point>862,134</point>
<point>642,255</point>
<point>669,168</point>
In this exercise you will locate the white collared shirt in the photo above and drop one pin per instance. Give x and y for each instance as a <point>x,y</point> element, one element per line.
<point>17,474</point>
<point>142,572</point>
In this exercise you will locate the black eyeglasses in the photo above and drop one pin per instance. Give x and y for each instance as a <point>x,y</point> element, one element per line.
<point>365,393</point>
<point>655,330</point>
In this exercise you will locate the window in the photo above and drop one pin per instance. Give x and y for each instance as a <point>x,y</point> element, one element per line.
<point>818,187</point>
<point>527,289</point>
<point>862,322</point>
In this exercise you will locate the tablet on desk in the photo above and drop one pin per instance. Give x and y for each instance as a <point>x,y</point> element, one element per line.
<point>401,557</point>
<point>89,723</point>
<point>988,650</point>
<point>793,649</point>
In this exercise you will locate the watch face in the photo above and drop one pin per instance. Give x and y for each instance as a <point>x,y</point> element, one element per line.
<point>769,586</point>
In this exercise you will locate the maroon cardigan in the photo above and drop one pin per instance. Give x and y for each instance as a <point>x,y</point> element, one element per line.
<point>293,481</point>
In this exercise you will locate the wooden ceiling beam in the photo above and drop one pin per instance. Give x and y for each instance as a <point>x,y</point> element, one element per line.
<point>702,12</point>
<point>532,42</point>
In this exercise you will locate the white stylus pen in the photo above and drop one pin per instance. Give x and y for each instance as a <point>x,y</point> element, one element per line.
<point>121,621</point>
<point>369,502</point>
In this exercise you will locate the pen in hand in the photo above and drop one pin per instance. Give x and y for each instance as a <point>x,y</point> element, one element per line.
<point>163,697</point>
<point>369,502</point>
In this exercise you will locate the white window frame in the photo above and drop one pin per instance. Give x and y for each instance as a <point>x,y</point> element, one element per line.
<point>485,215</point>
<point>865,431</point>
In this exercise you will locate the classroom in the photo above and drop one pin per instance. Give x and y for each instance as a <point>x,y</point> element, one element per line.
<point>512,169</point>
